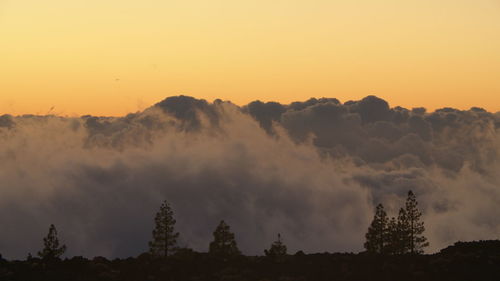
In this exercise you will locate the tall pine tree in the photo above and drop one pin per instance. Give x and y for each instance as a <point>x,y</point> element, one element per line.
<point>402,231</point>
<point>392,237</point>
<point>224,244</point>
<point>416,241</point>
<point>398,229</point>
<point>51,248</point>
<point>376,237</point>
<point>164,236</point>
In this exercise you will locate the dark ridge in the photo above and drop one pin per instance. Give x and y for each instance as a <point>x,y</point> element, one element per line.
<point>479,248</point>
<point>463,261</point>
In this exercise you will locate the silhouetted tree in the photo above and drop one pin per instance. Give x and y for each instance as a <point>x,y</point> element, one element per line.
<point>164,236</point>
<point>224,244</point>
<point>416,241</point>
<point>392,237</point>
<point>376,237</point>
<point>402,229</point>
<point>278,249</point>
<point>51,248</point>
<point>397,234</point>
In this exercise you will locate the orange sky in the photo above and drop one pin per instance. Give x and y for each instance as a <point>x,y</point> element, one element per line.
<point>113,57</point>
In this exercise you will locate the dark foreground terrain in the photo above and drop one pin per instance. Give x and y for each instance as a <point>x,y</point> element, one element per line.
<point>462,261</point>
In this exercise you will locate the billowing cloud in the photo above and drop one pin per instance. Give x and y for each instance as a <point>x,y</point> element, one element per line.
<point>312,171</point>
<point>6,121</point>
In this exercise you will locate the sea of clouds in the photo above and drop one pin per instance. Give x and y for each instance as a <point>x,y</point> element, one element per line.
<point>312,171</point>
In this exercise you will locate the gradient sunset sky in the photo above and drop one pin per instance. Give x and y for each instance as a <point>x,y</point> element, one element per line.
<point>110,57</point>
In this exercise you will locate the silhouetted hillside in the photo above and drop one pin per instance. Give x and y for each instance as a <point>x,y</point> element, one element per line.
<point>478,248</point>
<point>462,261</point>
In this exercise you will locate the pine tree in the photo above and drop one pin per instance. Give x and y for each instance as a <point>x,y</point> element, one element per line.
<point>397,234</point>
<point>392,238</point>
<point>402,232</point>
<point>376,237</point>
<point>224,244</point>
<point>278,249</point>
<point>416,241</point>
<point>51,248</point>
<point>164,236</point>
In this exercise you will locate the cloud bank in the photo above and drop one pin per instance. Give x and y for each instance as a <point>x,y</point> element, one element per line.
<point>312,171</point>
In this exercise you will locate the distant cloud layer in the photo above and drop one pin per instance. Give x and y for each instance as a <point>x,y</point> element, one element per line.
<point>312,171</point>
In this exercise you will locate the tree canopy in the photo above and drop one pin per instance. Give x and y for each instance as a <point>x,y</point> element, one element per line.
<point>51,248</point>
<point>224,243</point>
<point>397,236</point>
<point>376,237</point>
<point>278,249</point>
<point>415,228</point>
<point>164,240</point>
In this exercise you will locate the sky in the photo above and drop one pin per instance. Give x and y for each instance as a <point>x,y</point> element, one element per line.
<point>113,57</point>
